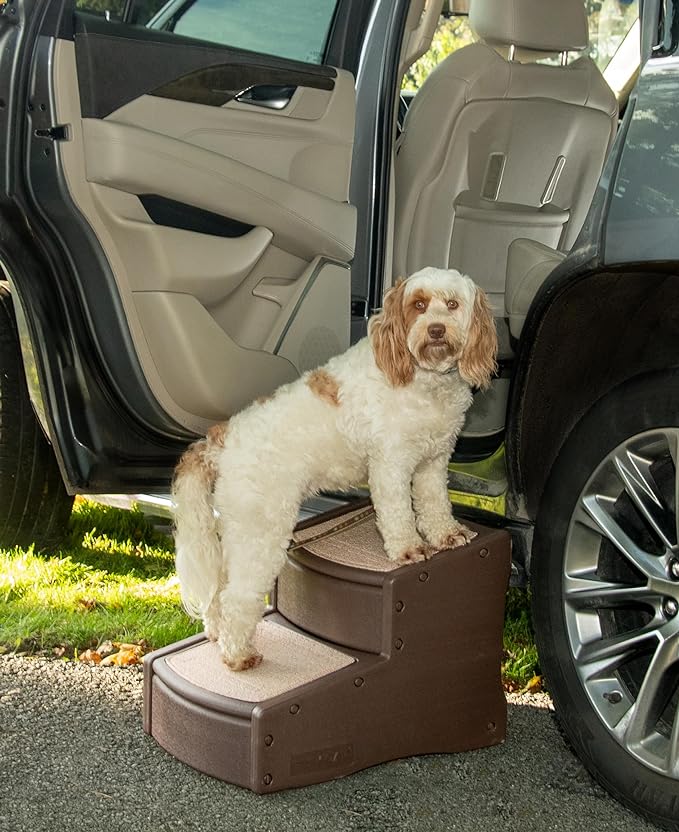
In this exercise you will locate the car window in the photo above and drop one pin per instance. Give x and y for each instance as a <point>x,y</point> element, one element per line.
<point>451,34</point>
<point>609,23</point>
<point>294,29</point>
<point>613,36</point>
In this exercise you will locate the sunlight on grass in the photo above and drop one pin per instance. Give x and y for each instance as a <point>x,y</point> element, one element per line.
<point>113,580</point>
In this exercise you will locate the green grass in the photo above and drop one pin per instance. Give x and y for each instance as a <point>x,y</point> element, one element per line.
<point>114,580</point>
<point>520,659</point>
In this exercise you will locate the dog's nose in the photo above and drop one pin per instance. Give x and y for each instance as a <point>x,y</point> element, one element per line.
<point>436,331</point>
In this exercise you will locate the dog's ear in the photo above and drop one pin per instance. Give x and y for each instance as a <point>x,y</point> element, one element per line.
<point>389,338</point>
<point>478,360</point>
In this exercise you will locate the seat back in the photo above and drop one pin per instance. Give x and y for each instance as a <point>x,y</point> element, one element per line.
<point>495,149</point>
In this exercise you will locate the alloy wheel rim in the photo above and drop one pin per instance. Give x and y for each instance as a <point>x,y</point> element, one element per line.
<point>620,593</point>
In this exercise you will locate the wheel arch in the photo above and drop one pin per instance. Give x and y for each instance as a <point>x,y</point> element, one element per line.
<point>599,328</point>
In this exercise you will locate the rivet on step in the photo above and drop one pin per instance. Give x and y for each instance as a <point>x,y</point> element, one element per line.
<point>491,726</point>
<point>268,740</point>
<point>484,553</point>
<point>267,779</point>
<point>294,709</point>
<point>424,576</point>
<point>398,644</point>
<point>400,606</point>
<point>358,681</point>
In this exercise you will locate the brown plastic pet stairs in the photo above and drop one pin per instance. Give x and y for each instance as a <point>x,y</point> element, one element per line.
<point>364,661</point>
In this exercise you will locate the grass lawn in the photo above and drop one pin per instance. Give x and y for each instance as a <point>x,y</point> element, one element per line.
<point>114,581</point>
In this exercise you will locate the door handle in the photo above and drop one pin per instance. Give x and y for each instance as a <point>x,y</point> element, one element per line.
<point>273,96</point>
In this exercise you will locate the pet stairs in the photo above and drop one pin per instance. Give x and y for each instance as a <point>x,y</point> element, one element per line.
<point>364,661</point>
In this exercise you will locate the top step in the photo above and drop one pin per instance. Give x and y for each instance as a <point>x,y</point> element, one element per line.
<point>341,587</point>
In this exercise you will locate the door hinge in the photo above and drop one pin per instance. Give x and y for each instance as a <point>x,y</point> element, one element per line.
<point>58,133</point>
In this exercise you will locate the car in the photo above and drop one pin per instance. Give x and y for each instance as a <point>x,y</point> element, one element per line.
<point>199,201</point>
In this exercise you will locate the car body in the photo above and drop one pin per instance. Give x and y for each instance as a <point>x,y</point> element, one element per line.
<point>170,257</point>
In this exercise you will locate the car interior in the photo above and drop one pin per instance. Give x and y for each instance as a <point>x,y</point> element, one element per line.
<point>221,197</point>
<point>499,155</point>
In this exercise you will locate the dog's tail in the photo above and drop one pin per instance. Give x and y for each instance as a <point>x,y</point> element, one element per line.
<point>198,555</point>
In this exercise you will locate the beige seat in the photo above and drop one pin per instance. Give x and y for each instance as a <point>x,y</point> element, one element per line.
<point>497,147</point>
<point>529,264</point>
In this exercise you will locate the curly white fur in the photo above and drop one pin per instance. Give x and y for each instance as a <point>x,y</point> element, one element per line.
<point>388,411</point>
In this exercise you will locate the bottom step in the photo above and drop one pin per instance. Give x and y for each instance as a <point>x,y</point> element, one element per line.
<point>317,709</point>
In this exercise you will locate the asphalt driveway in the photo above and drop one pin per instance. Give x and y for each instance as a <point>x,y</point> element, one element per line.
<point>73,757</point>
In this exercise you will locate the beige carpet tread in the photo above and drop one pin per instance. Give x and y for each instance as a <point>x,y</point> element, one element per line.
<point>290,660</point>
<point>360,546</point>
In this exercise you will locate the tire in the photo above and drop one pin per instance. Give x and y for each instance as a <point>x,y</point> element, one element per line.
<point>34,505</point>
<point>606,599</point>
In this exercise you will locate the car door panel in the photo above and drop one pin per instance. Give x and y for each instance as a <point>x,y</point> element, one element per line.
<point>208,310</point>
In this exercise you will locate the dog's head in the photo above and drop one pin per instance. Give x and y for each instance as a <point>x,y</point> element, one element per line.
<point>436,319</point>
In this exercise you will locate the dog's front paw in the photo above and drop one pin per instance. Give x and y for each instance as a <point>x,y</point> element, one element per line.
<point>458,535</point>
<point>246,662</point>
<point>411,553</point>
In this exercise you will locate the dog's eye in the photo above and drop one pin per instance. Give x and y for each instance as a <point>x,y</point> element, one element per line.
<point>420,304</point>
<point>452,304</point>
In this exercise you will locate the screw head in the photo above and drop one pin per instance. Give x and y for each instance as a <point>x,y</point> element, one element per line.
<point>424,576</point>
<point>670,607</point>
<point>491,726</point>
<point>398,644</point>
<point>358,681</point>
<point>400,606</point>
<point>483,553</point>
<point>294,709</point>
<point>674,569</point>
<point>613,696</point>
<point>267,779</point>
<point>268,740</point>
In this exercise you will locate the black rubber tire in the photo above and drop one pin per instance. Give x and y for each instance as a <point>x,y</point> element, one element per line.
<point>641,404</point>
<point>34,505</point>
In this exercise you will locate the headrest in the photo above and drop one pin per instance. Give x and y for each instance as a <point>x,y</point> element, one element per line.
<point>543,25</point>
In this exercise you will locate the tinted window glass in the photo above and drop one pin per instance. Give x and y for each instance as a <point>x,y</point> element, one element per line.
<point>294,29</point>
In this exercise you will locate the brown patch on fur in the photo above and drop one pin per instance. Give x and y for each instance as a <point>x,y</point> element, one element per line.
<point>325,386</point>
<point>194,462</point>
<point>195,459</point>
<point>244,664</point>
<point>263,399</point>
<point>389,333</point>
<point>217,433</point>
<point>478,360</point>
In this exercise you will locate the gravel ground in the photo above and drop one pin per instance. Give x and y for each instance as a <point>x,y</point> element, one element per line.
<point>73,757</point>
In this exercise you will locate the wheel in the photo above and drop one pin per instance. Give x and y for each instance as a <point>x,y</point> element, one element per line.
<point>605,587</point>
<point>34,506</point>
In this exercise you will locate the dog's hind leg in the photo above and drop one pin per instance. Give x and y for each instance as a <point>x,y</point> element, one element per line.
<point>253,566</point>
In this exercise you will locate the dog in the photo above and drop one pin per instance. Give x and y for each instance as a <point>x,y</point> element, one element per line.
<point>387,412</point>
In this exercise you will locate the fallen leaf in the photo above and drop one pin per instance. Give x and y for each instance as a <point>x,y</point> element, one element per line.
<point>87,604</point>
<point>508,686</point>
<point>59,651</point>
<point>90,657</point>
<point>533,686</point>
<point>123,658</point>
<point>137,648</point>
<point>105,648</point>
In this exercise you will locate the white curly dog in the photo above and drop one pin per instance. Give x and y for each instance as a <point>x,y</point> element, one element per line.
<point>387,411</point>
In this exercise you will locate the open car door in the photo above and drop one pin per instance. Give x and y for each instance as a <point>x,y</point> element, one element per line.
<point>187,201</point>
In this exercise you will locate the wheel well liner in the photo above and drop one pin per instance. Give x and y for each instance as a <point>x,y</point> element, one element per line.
<point>583,339</point>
